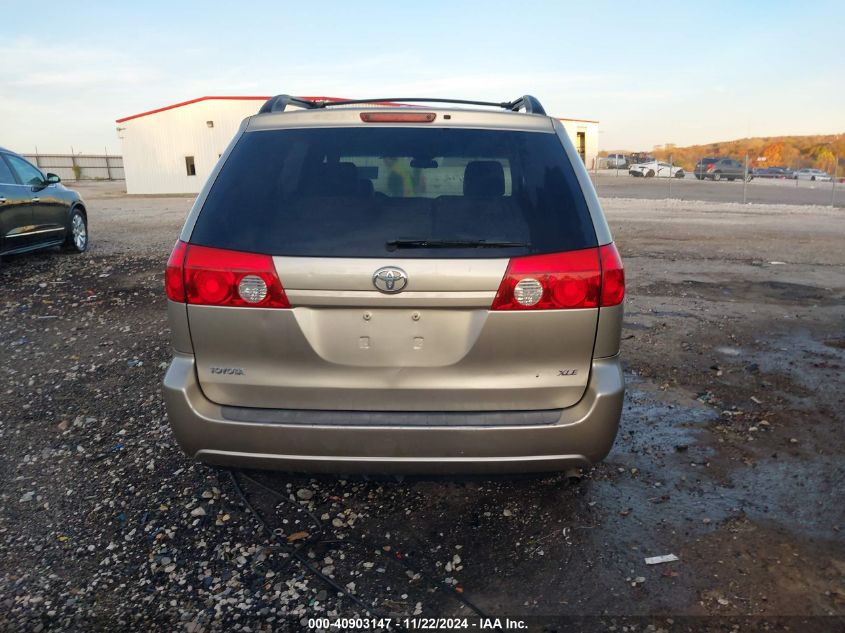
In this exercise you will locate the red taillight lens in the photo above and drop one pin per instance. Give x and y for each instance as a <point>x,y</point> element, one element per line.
<point>551,282</point>
<point>174,283</point>
<point>398,117</point>
<point>612,276</point>
<point>563,281</point>
<point>217,277</point>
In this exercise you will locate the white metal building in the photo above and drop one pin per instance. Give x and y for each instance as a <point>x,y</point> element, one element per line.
<point>173,149</point>
<point>585,136</point>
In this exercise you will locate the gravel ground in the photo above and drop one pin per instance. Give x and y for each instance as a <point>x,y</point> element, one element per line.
<point>729,456</point>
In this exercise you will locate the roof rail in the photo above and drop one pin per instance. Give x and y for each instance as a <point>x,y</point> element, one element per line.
<point>528,103</point>
<point>278,103</point>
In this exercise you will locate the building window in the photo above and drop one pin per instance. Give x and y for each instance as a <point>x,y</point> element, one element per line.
<point>190,166</point>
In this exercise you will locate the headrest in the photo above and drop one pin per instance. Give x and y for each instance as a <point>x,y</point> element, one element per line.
<point>484,178</point>
<point>341,179</point>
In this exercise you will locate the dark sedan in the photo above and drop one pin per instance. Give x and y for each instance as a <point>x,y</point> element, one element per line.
<point>36,210</point>
<point>773,172</point>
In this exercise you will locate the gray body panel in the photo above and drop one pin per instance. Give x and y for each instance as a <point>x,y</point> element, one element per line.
<point>582,435</point>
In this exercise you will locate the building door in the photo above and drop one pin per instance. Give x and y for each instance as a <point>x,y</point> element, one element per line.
<point>581,144</point>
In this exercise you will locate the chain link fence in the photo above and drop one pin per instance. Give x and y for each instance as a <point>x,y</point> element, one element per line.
<point>79,166</point>
<point>722,180</point>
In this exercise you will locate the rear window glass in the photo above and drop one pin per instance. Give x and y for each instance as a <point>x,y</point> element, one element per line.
<point>358,192</point>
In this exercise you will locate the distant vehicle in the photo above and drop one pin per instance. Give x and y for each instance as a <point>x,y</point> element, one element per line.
<point>718,168</point>
<point>36,210</point>
<point>640,157</point>
<point>772,172</point>
<point>812,174</point>
<point>617,161</point>
<point>656,169</point>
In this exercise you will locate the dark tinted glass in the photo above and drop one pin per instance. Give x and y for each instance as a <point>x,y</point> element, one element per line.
<point>29,174</point>
<point>6,177</point>
<point>347,192</point>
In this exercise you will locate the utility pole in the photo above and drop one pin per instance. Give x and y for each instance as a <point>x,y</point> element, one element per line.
<point>835,175</point>
<point>745,181</point>
<point>670,174</point>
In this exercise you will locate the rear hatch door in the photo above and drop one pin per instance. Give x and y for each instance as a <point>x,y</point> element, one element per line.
<point>391,243</point>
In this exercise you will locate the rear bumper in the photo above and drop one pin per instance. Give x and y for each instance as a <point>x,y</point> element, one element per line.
<point>582,435</point>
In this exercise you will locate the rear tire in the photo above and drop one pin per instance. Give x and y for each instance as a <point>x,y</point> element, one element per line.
<point>813,178</point>
<point>77,237</point>
<point>679,174</point>
<point>650,173</point>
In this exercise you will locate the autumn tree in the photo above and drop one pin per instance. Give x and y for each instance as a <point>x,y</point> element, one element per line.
<point>773,154</point>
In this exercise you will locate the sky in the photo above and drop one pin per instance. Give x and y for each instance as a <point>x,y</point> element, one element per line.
<point>650,72</point>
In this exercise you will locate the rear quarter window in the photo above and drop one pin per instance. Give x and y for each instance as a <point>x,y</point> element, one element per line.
<point>348,192</point>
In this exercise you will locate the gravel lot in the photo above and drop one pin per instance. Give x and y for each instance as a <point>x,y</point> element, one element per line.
<point>729,455</point>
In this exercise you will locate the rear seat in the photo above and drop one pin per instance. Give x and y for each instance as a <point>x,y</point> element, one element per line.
<point>483,211</point>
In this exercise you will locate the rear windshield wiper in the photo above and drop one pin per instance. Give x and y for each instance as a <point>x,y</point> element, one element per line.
<point>392,245</point>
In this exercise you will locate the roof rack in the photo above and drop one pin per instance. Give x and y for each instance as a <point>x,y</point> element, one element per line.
<point>278,103</point>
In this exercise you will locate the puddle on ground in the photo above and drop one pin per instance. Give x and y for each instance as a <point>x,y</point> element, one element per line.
<point>664,448</point>
<point>813,364</point>
<point>804,496</point>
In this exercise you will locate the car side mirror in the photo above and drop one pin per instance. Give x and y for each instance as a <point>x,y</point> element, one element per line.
<point>53,179</point>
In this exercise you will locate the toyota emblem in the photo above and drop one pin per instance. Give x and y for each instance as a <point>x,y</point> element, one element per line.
<point>390,279</point>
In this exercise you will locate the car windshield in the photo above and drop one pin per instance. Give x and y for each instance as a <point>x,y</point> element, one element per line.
<point>354,192</point>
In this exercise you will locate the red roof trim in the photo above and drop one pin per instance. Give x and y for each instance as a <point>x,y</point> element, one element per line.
<point>562,118</point>
<point>184,103</point>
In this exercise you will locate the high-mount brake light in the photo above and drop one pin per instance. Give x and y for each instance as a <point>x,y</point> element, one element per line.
<point>398,117</point>
<point>586,278</point>
<point>200,275</point>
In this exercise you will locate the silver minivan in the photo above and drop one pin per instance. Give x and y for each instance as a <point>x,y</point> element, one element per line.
<point>372,286</point>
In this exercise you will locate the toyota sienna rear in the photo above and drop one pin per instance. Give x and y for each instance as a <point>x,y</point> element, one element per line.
<point>378,287</point>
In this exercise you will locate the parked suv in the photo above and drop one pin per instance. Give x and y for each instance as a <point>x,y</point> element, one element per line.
<point>36,211</point>
<point>718,168</point>
<point>617,161</point>
<point>396,289</point>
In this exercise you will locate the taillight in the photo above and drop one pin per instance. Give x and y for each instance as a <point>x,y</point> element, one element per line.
<point>551,282</point>
<point>211,276</point>
<point>612,276</point>
<point>174,282</point>
<point>585,278</point>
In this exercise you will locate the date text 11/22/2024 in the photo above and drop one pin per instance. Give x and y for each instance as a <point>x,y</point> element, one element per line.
<point>421,624</point>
